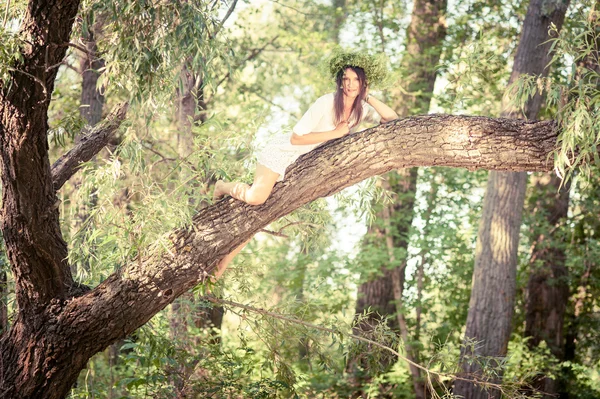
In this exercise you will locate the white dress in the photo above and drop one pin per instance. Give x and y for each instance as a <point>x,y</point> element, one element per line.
<point>281,153</point>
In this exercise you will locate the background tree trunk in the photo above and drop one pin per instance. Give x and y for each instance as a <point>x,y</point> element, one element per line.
<point>91,64</point>
<point>490,316</point>
<point>548,286</point>
<point>3,302</point>
<point>383,294</point>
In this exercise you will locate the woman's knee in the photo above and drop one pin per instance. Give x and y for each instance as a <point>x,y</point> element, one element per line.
<point>257,197</point>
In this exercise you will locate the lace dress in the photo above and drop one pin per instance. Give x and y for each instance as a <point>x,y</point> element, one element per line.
<point>280,153</point>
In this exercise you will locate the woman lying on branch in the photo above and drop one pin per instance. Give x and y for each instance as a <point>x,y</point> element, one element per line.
<point>332,116</point>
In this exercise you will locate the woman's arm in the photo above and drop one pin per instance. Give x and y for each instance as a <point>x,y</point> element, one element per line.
<point>319,137</point>
<point>387,114</point>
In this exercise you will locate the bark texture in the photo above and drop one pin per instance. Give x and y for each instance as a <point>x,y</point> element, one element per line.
<point>29,219</point>
<point>490,316</point>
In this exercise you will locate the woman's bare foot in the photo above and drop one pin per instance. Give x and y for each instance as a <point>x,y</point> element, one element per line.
<point>218,193</point>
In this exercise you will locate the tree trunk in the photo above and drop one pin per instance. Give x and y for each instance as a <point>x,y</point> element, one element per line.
<point>494,279</point>
<point>548,287</point>
<point>3,302</point>
<point>383,294</point>
<point>91,64</point>
<point>490,316</point>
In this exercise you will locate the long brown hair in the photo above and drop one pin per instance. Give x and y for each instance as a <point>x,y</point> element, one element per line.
<point>338,99</point>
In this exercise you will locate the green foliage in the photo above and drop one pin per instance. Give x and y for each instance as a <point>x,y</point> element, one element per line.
<point>375,66</point>
<point>144,44</point>
<point>10,55</point>
<point>573,95</point>
<point>477,75</point>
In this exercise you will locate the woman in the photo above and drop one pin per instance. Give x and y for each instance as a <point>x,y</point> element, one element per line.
<point>332,116</point>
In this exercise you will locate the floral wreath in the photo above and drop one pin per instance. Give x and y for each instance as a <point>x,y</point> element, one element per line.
<point>375,66</point>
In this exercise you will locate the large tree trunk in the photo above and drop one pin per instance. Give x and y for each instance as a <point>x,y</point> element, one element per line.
<point>490,316</point>
<point>383,294</point>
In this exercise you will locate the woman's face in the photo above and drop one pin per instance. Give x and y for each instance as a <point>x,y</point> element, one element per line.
<point>351,84</point>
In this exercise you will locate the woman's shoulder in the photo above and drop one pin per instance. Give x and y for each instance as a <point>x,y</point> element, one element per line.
<point>326,98</point>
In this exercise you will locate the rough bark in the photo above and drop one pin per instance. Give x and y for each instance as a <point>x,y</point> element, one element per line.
<point>29,220</point>
<point>491,305</point>
<point>489,319</point>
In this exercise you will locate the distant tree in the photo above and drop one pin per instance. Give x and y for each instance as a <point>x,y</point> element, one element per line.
<point>548,284</point>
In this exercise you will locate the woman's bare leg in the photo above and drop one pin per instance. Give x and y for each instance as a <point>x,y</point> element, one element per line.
<point>227,260</point>
<point>256,194</point>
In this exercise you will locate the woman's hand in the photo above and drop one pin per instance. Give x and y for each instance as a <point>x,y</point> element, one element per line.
<point>342,129</point>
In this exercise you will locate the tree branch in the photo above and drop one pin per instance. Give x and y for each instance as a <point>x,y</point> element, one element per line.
<point>225,18</point>
<point>190,254</point>
<point>90,145</point>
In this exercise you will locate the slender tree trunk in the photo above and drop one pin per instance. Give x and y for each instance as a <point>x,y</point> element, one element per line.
<point>548,288</point>
<point>490,316</point>
<point>384,293</point>
<point>494,279</point>
<point>91,64</point>
<point>3,302</point>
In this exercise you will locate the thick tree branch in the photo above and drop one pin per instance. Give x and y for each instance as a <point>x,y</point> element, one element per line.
<point>89,145</point>
<point>132,296</point>
<point>29,217</point>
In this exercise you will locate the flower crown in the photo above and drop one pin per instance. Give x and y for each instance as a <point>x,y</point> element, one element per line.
<point>375,66</point>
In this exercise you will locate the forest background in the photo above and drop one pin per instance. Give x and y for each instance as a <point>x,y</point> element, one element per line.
<point>411,284</point>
